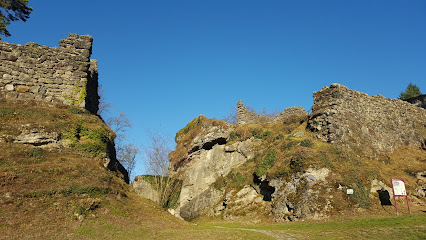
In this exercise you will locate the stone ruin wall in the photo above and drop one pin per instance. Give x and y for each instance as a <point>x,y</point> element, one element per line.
<point>373,123</point>
<point>50,75</point>
<point>245,116</point>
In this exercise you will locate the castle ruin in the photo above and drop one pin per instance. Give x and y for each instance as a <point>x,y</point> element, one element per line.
<point>50,75</point>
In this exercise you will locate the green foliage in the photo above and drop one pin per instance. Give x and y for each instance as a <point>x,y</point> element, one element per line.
<point>361,195</point>
<point>236,179</point>
<point>81,211</point>
<point>219,183</point>
<point>289,145</point>
<point>325,160</point>
<point>77,110</point>
<point>307,143</point>
<point>411,91</point>
<point>257,133</point>
<point>96,139</point>
<point>267,133</point>
<point>13,10</point>
<point>81,91</point>
<point>189,127</point>
<point>234,135</point>
<point>94,149</point>
<point>266,163</point>
<point>297,164</point>
<point>170,191</point>
<point>335,150</point>
<point>89,190</point>
<point>279,137</point>
<point>35,152</point>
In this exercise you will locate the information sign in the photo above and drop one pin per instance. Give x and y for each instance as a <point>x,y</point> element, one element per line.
<point>399,188</point>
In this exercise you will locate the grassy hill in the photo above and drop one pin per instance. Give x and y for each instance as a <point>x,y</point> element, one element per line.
<point>62,190</point>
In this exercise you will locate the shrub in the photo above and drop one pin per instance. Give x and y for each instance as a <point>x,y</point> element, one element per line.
<point>266,163</point>
<point>257,133</point>
<point>279,137</point>
<point>35,152</point>
<point>289,145</point>
<point>361,195</point>
<point>234,135</point>
<point>307,143</point>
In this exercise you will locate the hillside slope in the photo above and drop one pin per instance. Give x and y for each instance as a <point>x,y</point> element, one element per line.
<point>59,180</point>
<point>300,165</point>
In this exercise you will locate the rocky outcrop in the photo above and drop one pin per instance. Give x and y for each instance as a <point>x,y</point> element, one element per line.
<point>45,75</point>
<point>356,120</point>
<point>298,197</point>
<point>215,160</point>
<point>421,182</point>
<point>37,137</point>
<point>210,158</point>
<point>144,189</point>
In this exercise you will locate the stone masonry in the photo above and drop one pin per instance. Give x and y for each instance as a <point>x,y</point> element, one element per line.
<point>64,74</point>
<point>245,116</point>
<point>372,123</point>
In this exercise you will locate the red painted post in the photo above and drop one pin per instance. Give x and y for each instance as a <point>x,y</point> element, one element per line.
<point>408,205</point>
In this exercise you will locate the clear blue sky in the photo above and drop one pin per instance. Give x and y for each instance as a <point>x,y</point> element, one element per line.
<point>165,62</point>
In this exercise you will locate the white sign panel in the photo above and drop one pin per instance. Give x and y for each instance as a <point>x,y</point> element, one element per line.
<point>398,187</point>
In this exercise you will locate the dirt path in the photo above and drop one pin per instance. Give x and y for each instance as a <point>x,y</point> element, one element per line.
<point>267,232</point>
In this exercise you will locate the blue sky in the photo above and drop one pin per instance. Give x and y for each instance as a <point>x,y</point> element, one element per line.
<point>165,62</point>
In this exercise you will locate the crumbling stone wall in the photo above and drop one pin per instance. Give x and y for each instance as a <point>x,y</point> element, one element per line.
<point>63,74</point>
<point>245,116</point>
<point>372,123</point>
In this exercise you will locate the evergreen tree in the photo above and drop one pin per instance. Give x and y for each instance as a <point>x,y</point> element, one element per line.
<point>411,91</point>
<point>12,10</point>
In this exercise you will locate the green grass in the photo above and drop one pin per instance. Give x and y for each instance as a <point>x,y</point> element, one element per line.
<point>403,227</point>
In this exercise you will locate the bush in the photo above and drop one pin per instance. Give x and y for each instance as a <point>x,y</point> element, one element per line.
<point>279,137</point>
<point>289,145</point>
<point>266,163</point>
<point>234,135</point>
<point>361,195</point>
<point>35,152</point>
<point>307,143</point>
<point>257,133</point>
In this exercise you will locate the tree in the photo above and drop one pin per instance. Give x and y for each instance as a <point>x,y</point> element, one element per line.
<point>411,91</point>
<point>156,158</point>
<point>12,10</point>
<point>126,153</point>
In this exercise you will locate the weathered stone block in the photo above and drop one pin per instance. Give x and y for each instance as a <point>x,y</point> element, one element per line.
<point>22,88</point>
<point>7,76</point>
<point>9,87</point>
<point>11,95</point>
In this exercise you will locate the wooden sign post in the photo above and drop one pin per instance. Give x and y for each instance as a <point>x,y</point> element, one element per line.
<point>398,188</point>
